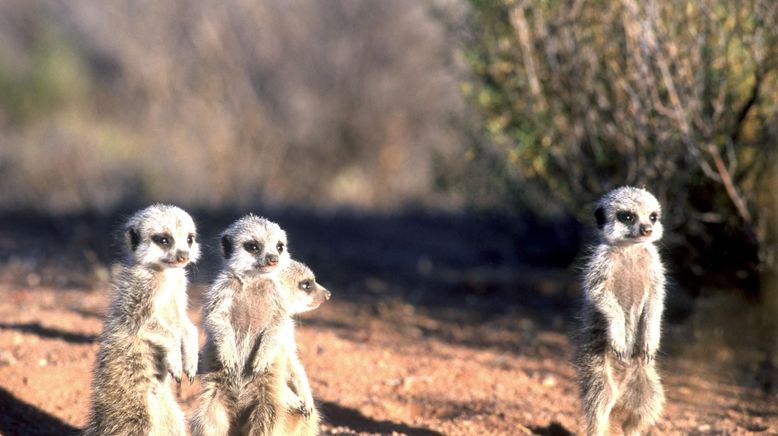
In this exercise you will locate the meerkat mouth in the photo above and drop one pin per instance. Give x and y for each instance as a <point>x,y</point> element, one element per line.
<point>175,264</point>
<point>265,268</point>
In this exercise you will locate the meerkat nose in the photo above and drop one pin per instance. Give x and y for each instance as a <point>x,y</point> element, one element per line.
<point>327,295</point>
<point>182,256</point>
<point>271,259</point>
<point>645,230</point>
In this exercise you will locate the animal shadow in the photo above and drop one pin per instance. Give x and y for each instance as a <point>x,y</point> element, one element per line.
<point>338,415</point>
<point>20,418</point>
<point>50,333</point>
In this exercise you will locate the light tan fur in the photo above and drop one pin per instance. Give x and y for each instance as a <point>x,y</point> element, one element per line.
<point>147,336</point>
<point>247,315</point>
<point>621,316</point>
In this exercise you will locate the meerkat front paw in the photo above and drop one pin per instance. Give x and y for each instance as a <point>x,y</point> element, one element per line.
<point>646,353</point>
<point>306,407</point>
<point>174,365</point>
<point>619,350</point>
<point>261,364</point>
<point>305,410</point>
<point>190,364</point>
<point>229,359</point>
<point>190,353</point>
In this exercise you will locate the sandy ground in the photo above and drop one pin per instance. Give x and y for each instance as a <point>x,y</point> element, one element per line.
<point>384,370</point>
<point>438,325</point>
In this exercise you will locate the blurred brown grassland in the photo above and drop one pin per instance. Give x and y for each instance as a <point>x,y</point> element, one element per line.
<point>524,106</point>
<point>320,104</point>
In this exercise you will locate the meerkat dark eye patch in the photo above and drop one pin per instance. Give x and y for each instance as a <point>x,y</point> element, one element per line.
<point>134,238</point>
<point>252,247</point>
<point>280,247</point>
<point>226,246</point>
<point>654,217</point>
<point>599,215</point>
<point>306,285</point>
<point>190,239</point>
<point>625,217</point>
<point>164,240</point>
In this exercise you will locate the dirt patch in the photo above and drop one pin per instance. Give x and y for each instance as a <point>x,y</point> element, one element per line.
<point>396,370</point>
<point>438,325</point>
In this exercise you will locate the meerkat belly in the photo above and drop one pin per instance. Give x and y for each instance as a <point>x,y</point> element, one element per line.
<point>250,316</point>
<point>631,274</point>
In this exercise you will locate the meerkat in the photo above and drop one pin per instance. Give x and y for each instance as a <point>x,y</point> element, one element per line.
<point>246,313</point>
<point>624,291</point>
<point>147,337</point>
<point>280,401</point>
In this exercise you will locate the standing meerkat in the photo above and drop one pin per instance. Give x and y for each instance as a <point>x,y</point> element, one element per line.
<point>247,316</point>
<point>280,401</point>
<point>624,291</point>
<point>147,337</point>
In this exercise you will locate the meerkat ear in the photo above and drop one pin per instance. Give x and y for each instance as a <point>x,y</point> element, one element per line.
<point>133,238</point>
<point>599,215</point>
<point>226,246</point>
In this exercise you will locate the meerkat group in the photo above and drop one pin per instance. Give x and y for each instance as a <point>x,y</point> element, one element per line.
<point>253,382</point>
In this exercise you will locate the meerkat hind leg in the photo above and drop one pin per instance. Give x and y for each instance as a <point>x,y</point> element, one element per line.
<point>600,394</point>
<point>211,417</point>
<point>642,401</point>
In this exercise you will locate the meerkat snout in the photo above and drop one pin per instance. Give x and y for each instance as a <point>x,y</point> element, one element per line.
<point>646,230</point>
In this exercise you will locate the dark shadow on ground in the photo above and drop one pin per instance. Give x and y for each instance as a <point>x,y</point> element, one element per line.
<point>477,263</point>
<point>49,333</point>
<point>22,419</point>
<point>337,415</point>
<point>553,429</point>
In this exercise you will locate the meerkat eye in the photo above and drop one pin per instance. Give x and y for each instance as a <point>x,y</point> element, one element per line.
<point>162,240</point>
<point>190,239</point>
<point>626,217</point>
<point>653,217</point>
<point>251,247</point>
<point>280,247</point>
<point>306,285</point>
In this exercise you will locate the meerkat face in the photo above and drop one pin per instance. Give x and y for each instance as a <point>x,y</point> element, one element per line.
<point>629,215</point>
<point>305,293</point>
<point>162,236</point>
<point>255,245</point>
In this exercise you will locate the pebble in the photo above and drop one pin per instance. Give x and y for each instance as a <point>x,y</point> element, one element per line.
<point>6,358</point>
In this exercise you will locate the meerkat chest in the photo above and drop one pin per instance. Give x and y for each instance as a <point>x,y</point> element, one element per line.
<point>171,295</point>
<point>255,308</point>
<point>632,276</point>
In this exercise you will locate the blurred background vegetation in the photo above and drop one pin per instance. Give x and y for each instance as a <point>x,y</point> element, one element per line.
<point>527,108</point>
<point>677,96</point>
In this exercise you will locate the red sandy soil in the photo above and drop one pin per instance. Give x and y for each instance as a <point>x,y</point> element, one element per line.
<point>381,369</point>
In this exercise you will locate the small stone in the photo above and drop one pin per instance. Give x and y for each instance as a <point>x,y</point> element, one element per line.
<point>6,358</point>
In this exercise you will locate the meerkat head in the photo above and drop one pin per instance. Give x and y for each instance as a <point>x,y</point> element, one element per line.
<point>162,236</point>
<point>305,293</point>
<point>629,215</point>
<point>255,245</point>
